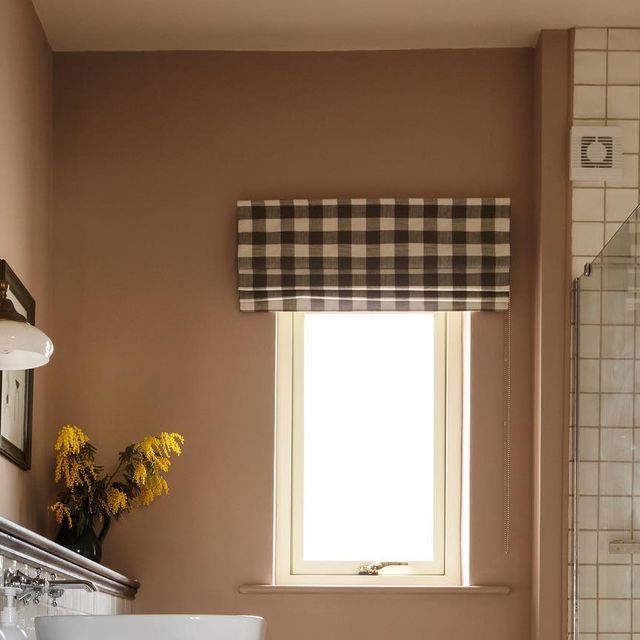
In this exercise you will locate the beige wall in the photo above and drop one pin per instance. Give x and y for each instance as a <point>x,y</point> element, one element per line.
<point>25,203</point>
<point>151,153</point>
<point>551,337</point>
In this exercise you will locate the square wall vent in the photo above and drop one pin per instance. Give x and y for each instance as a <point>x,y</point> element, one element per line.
<point>596,153</point>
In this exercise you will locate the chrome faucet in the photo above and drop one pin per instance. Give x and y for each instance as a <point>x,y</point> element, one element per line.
<point>373,568</point>
<point>33,588</point>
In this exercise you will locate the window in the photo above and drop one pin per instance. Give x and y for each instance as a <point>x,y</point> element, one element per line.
<point>368,433</point>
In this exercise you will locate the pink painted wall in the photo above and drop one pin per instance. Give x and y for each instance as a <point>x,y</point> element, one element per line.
<point>151,153</point>
<point>25,220</point>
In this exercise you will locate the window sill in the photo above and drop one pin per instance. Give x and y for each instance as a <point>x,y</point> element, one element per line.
<point>470,590</point>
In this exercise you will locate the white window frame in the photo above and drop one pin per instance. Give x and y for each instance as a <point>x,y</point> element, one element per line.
<point>289,567</point>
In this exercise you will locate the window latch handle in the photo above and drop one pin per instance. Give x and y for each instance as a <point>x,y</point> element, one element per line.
<point>373,568</point>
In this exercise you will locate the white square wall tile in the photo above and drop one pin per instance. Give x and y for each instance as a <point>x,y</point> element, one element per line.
<point>614,616</point>
<point>622,101</point>
<point>617,341</point>
<point>614,513</point>
<point>589,409</point>
<point>588,581</point>
<point>589,375</point>
<point>588,205</point>
<point>636,520</point>
<point>630,165</point>
<point>589,443</point>
<point>616,478</point>
<point>610,230</point>
<point>617,376</point>
<point>587,512</point>
<point>629,172</point>
<point>588,478</point>
<point>615,308</point>
<point>590,307</point>
<point>590,67</point>
<point>624,67</point>
<point>627,39</point>
<point>620,204</point>
<point>587,238</point>
<point>630,134</point>
<point>636,616</point>
<point>588,616</point>
<point>588,548</point>
<point>590,102</point>
<point>636,416</point>
<point>617,279</point>
<point>590,38</point>
<point>590,341</point>
<point>636,582</point>
<point>616,410</point>
<point>616,444</point>
<point>614,582</point>
<point>636,479</point>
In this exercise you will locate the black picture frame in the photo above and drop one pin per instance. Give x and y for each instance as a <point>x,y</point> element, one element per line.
<point>26,305</point>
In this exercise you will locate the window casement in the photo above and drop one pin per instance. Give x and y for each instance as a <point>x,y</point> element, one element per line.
<point>368,448</point>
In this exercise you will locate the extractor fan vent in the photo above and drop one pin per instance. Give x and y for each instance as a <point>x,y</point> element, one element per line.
<point>596,153</point>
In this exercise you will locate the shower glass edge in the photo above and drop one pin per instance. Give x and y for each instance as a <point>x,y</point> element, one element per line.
<point>605,429</point>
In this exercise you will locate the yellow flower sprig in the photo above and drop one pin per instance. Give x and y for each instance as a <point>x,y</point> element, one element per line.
<point>62,513</point>
<point>137,481</point>
<point>150,458</point>
<point>74,460</point>
<point>117,501</point>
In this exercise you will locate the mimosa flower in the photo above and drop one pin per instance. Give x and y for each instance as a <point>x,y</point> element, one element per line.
<point>90,494</point>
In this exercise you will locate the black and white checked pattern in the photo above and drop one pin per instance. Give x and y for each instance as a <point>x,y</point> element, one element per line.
<point>382,254</point>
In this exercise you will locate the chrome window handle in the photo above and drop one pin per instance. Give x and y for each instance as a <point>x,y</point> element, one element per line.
<point>373,568</point>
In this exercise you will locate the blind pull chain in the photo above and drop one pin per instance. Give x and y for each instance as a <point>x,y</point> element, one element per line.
<point>506,490</point>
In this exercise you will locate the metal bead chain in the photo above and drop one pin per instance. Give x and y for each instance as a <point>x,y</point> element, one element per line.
<point>506,489</point>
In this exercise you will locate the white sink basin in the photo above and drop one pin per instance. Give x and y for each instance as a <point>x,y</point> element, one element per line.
<point>164,627</point>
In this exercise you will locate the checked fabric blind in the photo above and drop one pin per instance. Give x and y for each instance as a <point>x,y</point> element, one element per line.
<point>374,254</point>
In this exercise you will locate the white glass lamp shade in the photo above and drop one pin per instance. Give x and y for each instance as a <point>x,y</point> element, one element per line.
<point>23,346</point>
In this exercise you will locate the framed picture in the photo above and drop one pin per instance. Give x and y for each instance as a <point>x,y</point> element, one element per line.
<point>16,406</point>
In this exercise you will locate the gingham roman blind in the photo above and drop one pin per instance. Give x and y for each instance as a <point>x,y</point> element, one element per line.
<point>374,255</point>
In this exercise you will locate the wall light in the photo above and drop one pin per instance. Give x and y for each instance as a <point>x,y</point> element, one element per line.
<point>22,346</point>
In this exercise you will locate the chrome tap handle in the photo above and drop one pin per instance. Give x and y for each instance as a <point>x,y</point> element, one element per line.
<point>32,589</point>
<point>54,594</point>
<point>16,578</point>
<point>373,568</point>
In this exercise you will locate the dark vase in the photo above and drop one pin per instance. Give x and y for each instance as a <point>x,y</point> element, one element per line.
<point>87,544</point>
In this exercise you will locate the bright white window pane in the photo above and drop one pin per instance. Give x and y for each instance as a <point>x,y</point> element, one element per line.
<point>369,411</point>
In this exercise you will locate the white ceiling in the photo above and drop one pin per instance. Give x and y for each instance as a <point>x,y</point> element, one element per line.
<point>143,25</point>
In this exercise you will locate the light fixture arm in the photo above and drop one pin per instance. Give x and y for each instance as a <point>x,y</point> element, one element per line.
<point>7,310</point>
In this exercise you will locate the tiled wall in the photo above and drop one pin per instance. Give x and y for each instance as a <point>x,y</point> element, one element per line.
<point>606,92</point>
<point>606,75</point>
<point>73,602</point>
<point>608,484</point>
